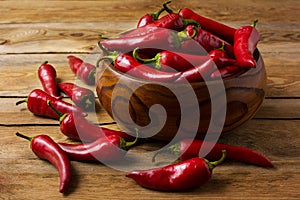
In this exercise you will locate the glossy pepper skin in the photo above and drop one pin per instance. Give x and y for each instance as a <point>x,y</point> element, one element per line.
<point>82,97</point>
<point>47,76</point>
<point>188,148</point>
<point>158,39</point>
<point>45,148</point>
<point>171,21</point>
<point>79,128</point>
<point>198,73</point>
<point>208,40</point>
<point>84,71</point>
<point>110,148</point>
<point>225,72</point>
<point>184,175</point>
<point>171,61</point>
<point>151,17</point>
<point>37,104</point>
<point>220,57</point>
<point>127,64</point>
<point>245,42</point>
<point>216,28</point>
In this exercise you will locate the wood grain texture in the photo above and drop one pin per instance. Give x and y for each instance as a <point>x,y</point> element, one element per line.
<point>34,31</point>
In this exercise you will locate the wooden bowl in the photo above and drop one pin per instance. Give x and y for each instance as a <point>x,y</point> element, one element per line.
<point>128,101</point>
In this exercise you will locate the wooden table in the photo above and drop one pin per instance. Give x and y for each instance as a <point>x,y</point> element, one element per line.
<point>34,31</point>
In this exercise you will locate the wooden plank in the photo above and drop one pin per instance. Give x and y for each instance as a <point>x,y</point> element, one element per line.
<point>21,178</point>
<point>87,11</point>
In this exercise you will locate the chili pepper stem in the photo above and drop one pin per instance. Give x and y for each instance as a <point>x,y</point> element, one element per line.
<point>45,62</point>
<point>174,149</point>
<point>111,56</point>
<point>155,59</point>
<point>61,115</point>
<point>253,24</point>
<point>24,136</point>
<point>212,165</point>
<point>157,14</point>
<point>167,8</point>
<point>22,101</point>
<point>126,145</point>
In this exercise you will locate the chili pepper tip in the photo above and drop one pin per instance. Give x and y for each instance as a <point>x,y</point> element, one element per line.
<point>23,136</point>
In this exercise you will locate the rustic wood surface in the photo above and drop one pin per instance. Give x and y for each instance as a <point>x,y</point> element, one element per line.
<point>34,31</point>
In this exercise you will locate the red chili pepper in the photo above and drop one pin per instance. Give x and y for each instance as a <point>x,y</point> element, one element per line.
<point>245,42</point>
<point>82,70</point>
<point>37,104</point>
<point>47,76</point>
<point>225,72</point>
<point>106,149</point>
<point>172,61</point>
<point>82,97</point>
<point>158,39</point>
<point>184,175</point>
<point>220,57</point>
<point>171,21</point>
<point>45,148</point>
<point>208,40</point>
<point>77,127</point>
<point>188,148</point>
<point>221,30</point>
<point>149,18</point>
<point>127,64</point>
<point>198,73</point>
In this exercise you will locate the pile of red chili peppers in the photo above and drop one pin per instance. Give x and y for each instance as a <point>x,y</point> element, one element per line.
<point>182,46</point>
<point>193,45</point>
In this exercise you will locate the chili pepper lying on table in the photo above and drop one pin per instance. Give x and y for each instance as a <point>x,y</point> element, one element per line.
<point>172,61</point>
<point>82,97</point>
<point>105,149</point>
<point>84,71</point>
<point>37,104</point>
<point>216,28</point>
<point>220,57</point>
<point>208,40</point>
<point>184,175</point>
<point>45,148</point>
<point>188,148</point>
<point>245,42</point>
<point>78,128</point>
<point>225,72</point>
<point>127,64</point>
<point>47,76</point>
<point>151,17</point>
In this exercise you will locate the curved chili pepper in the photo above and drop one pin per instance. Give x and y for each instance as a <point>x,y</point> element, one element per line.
<point>184,175</point>
<point>208,40</point>
<point>82,97</point>
<point>245,42</point>
<point>220,57</point>
<point>159,39</point>
<point>198,73</point>
<point>225,72</point>
<point>216,28</point>
<point>106,149</point>
<point>127,64</point>
<point>149,18</point>
<point>45,148</point>
<point>47,76</point>
<point>172,61</point>
<point>37,104</point>
<point>188,148</point>
<point>171,21</point>
<point>82,70</point>
<point>77,127</point>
